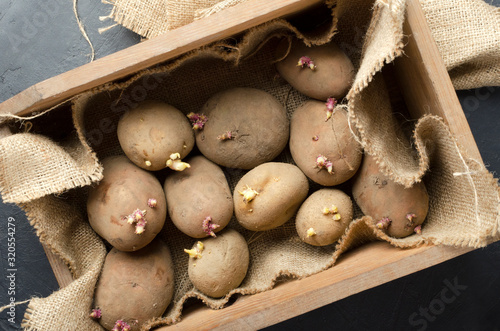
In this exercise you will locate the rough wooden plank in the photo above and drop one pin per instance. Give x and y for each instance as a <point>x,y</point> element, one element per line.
<point>425,83</point>
<point>60,269</point>
<point>428,90</point>
<point>128,61</point>
<point>355,272</point>
<point>146,54</point>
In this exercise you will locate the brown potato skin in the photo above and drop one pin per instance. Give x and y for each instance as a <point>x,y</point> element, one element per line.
<point>135,285</point>
<point>281,186</point>
<point>333,76</point>
<point>256,119</point>
<point>379,197</point>
<point>335,141</point>
<point>310,215</point>
<point>124,188</point>
<point>196,193</point>
<point>152,132</point>
<point>223,265</point>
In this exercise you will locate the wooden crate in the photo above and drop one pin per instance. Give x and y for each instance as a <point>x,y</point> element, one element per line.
<point>424,83</point>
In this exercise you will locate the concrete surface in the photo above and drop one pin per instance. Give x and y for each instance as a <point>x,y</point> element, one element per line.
<point>41,39</point>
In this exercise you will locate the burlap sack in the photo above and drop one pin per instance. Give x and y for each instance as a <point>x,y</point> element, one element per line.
<point>152,18</point>
<point>464,197</point>
<point>467,32</point>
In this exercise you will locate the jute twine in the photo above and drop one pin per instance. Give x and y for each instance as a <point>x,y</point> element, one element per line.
<point>464,197</point>
<point>467,32</point>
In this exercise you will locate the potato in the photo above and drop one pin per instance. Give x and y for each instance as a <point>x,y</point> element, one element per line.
<point>125,191</point>
<point>245,127</point>
<point>312,137</point>
<point>332,75</point>
<point>323,217</point>
<point>152,132</point>
<point>399,211</point>
<point>135,286</point>
<point>219,264</point>
<point>197,193</point>
<point>269,195</point>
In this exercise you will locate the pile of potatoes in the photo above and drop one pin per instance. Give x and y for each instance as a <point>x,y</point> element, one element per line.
<point>243,128</point>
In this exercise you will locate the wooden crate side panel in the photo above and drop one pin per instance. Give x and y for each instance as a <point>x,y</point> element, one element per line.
<point>425,83</point>
<point>226,23</point>
<point>427,89</point>
<point>354,272</point>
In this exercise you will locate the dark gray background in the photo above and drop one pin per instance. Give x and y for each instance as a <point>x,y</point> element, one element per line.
<point>41,39</point>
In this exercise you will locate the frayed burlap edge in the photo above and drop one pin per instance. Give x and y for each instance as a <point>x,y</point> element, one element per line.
<point>476,66</point>
<point>53,167</point>
<point>467,34</point>
<point>374,56</point>
<point>137,17</point>
<point>360,231</point>
<point>363,230</point>
<point>54,222</point>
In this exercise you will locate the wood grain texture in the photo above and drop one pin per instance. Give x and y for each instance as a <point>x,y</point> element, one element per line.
<point>57,89</point>
<point>60,269</point>
<point>354,272</point>
<point>425,83</point>
<point>426,87</point>
<point>146,54</point>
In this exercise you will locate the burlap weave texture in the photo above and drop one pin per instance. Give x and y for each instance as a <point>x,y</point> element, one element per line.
<point>467,32</point>
<point>464,208</point>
